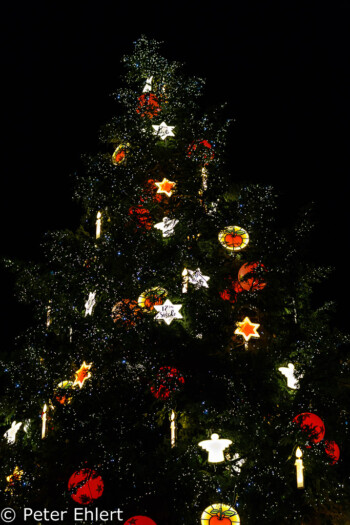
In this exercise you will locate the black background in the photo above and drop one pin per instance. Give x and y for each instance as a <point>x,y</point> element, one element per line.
<point>281,66</point>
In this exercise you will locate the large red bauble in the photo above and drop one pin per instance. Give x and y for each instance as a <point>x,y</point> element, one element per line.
<point>250,277</point>
<point>168,380</point>
<point>312,425</point>
<point>332,450</point>
<point>85,486</point>
<point>220,521</point>
<point>140,520</point>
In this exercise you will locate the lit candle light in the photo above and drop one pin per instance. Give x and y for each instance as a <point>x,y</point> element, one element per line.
<point>43,421</point>
<point>48,314</point>
<point>299,468</point>
<point>98,225</point>
<point>184,281</point>
<point>173,429</point>
<point>204,178</point>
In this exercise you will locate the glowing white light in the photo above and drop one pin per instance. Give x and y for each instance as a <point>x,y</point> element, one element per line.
<point>90,303</point>
<point>172,429</point>
<point>163,131</point>
<point>299,468</point>
<point>168,311</point>
<point>289,372</point>
<point>184,280</point>
<point>43,421</point>
<point>238,463</point>
<point>167,226</point>
<point>98,224</point>
<point>10,434</point>
<point>215,447</point>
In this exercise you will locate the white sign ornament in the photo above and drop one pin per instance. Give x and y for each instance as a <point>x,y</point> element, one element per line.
<point>163,131</point>
<point>168,311</point>
<point>167,226</point>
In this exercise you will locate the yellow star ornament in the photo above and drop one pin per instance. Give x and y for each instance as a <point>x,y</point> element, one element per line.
<point>166,186</point>
<point>82,375</point>
<point>247,329</point>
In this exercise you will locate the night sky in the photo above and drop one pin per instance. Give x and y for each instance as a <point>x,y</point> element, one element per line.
<point>281,66</point>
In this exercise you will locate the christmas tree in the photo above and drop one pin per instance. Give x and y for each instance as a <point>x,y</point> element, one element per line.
<point>178,368</point>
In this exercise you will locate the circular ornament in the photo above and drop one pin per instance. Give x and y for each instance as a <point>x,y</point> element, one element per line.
<point>148,105</point>
<point>233,238</point>
<point>220,514</point>
<point>126,312</point>
<point>332,450</point>
<point>62,392</point>
<point>85,486</point>
<point>141,216</point>
<point>312,425</point>
<point>250,276</point>
<point>167,381</point>
<point>201,150</point>
<point>120,153</point>
<point>140,520</point>
<point>149,298</point>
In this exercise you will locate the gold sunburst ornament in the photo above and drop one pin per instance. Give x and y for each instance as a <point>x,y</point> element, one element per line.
<point>220,513</point>
<point>233,238</point>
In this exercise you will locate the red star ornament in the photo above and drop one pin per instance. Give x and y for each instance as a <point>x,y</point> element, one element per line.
<point>247,329</point>
<point>82,375</point>
<point>166,186</point>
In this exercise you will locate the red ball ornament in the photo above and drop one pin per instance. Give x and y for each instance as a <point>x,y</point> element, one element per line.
<point>332,450</point>
<point>148,105</point>
<point>167,381</point>
<point>140,520</point>
<point>85,486</point>
<point>250,277</point>
<point>126,312</point>
<point>201,150</point>
<point>230,294</point>
<point>312,425</point>
<point>142,216</point>
<point>149,192</point>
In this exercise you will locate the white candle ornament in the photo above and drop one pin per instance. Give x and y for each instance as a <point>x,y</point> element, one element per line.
<point>172,429</point>
<point>98,224</point>
<point>299,468</point>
